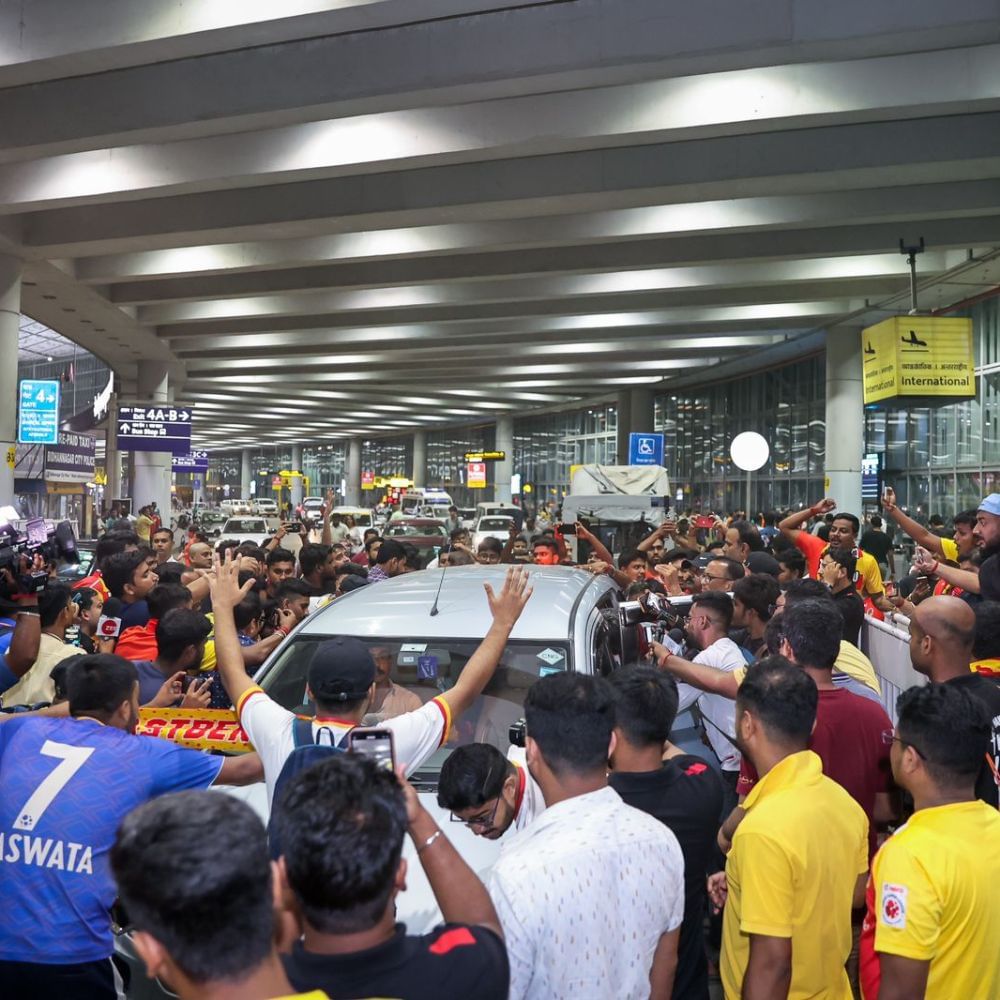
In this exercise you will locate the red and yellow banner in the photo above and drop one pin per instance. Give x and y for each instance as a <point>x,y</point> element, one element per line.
<point>197,728</point>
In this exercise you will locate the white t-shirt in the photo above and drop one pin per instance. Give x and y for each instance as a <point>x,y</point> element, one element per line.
<point>723,655</point>
<point>416,735</point>
<point>584,895</point>
<point>528,799</point>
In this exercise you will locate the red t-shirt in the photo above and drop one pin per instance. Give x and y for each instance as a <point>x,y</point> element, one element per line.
<point>853,738</point>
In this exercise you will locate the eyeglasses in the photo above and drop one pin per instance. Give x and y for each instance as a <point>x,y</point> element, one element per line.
<point>906,743</point>
<point>708,576</point>
<point>485,823</point>
<point>706,618</point>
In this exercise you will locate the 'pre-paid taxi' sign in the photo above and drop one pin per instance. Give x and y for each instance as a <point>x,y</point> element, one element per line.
<point>918,356</point>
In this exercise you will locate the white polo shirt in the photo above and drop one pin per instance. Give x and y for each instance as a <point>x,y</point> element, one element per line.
<point>584,894</point>
<point>271,729</point>
<point>722,655</point>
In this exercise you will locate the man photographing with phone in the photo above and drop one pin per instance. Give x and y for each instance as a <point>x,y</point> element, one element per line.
<point>341,682</point>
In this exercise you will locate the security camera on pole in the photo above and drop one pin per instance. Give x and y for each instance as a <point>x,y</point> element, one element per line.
<point>749,452</point>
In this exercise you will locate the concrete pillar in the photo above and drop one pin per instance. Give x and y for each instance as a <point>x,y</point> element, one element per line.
<point>10,319</point>
<point>641,411</point>
<point>151,470</point>
<point>246,474</point>
<point>845,417</point>
<point>635,416</point>
<point>112,456</point>
<point>352,476</point>
<point>296,490</point>
<point>504,469</point>
<point>624,425</point>
<point>419,475</point>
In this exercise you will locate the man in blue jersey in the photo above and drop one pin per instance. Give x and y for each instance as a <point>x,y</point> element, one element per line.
<point>67,784</point>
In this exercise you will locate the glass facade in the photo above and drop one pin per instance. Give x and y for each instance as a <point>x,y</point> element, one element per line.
<point>81,377</point>
<point>940,459</point>
<point>944,459</point>
<point>786,405</point>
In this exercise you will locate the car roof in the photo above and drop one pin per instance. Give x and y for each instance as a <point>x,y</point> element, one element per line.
<point>401,607</point>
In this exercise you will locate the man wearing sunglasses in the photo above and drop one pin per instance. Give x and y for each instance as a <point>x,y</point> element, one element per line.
<point>488,792</point>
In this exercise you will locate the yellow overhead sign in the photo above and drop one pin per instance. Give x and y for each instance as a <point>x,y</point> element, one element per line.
<point>922,356</point>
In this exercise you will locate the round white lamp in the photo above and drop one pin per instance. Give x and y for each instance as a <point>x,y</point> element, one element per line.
<point>749,452</point>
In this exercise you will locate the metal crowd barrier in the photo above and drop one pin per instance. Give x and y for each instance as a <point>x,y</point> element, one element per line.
<point>887,645</point>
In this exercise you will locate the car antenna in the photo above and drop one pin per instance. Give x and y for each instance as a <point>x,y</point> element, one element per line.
<point>434,610</point>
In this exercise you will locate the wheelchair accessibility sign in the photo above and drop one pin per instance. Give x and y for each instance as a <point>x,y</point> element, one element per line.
<point>645,449</point>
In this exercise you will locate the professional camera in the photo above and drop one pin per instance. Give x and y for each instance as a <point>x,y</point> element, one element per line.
<point>517,732</point>
<point>650,608</point>
<point>653,613</point>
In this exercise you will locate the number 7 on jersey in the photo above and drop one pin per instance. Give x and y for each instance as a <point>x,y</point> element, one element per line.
<point>73,758</point>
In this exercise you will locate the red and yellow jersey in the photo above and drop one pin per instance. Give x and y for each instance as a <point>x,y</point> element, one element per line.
<point>932,896</point>
<point>869,575</point>
<point>987,667</point>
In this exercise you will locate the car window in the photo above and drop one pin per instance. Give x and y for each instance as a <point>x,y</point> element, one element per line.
<point>246,526</point>
<point>402,528</point>
<point>495,524</point>
<point>424,668</point>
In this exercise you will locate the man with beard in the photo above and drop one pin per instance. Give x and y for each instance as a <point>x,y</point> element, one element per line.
<point>68,783</point>
<point>987,533</point>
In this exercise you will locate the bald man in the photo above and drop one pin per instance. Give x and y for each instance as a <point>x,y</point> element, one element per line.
<point>200,555</point>
<point>942,632</point>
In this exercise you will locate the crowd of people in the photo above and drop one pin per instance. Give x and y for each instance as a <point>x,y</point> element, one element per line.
<point>812,847</point>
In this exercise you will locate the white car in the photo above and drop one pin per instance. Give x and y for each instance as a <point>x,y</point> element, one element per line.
<point>568,624</point>
<point>247,529</point>
<point>495,526</point>
<point>312,507</point>
<point>265,507</point>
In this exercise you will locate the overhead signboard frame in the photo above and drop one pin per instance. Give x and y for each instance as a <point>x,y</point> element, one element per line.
<point>158,427</point>
<point>929,358</point>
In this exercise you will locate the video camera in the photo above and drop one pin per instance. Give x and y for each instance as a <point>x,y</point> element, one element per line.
<point>653,613</point>
<point>24,557</point>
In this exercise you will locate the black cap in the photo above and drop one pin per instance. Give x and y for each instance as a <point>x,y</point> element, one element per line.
<point>341,670</point>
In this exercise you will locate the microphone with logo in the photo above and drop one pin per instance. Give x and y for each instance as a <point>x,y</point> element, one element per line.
<point>109,625</point>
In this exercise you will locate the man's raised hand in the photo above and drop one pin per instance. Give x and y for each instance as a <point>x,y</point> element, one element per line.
<point>225,582</point>
<point>507,606</point>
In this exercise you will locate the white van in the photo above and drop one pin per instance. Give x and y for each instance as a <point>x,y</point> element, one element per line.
<point>362,515</point>
<point>413,500</point>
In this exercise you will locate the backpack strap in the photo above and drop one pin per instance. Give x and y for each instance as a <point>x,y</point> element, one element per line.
<point>302,733</point>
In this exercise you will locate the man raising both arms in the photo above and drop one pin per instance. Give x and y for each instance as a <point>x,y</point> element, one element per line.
<point>341,682</point>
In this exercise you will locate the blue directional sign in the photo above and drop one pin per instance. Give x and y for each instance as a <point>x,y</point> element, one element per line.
<point>155,427</point>
<point>197,461</point>
<point>38,413</point>
<point>645,449</point>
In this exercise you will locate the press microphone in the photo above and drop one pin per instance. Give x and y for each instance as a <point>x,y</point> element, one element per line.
<point>109,625</point>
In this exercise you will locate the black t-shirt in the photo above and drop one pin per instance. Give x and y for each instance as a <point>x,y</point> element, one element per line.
<point>877,544</point>
<point>853,609</point>
<point>453,962</point>
<point>686,796</point>
<point>988,692</point>
<point>989,576</point>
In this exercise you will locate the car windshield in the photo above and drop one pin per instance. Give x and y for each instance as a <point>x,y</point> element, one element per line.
<point>423,668</point>
<point>246,526</point>
<point>425,530</point>
<point>495,524</point>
